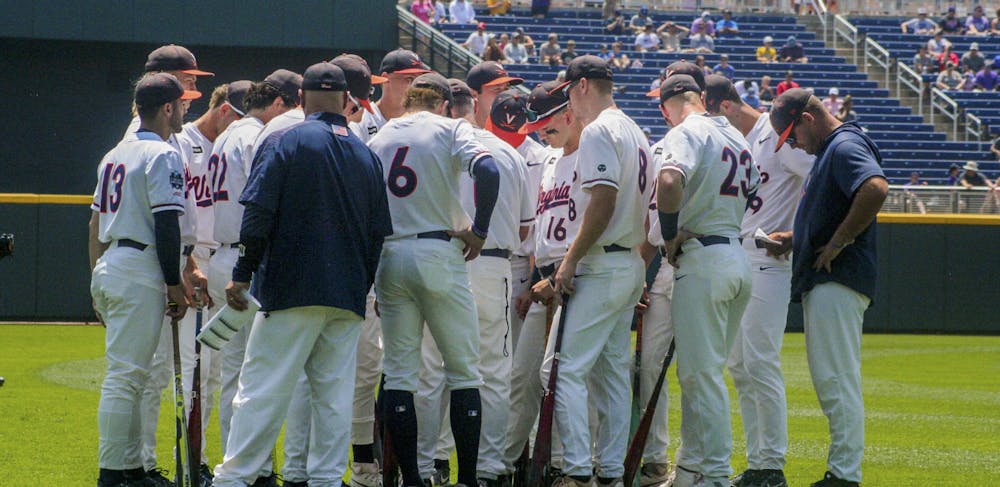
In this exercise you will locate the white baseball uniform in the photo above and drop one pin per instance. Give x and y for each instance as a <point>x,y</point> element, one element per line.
<point>288,119</point>
<point>613,152</point>
<point>711,284</point>
<point>534,155</point>
<point>141,176</point>
<point>490,277</point>
<point>369,125</point>
<point>755,360</point>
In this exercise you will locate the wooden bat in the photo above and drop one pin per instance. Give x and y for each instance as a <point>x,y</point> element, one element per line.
<point>634,455</point>
<point>538,470</point>
<point>194,416</point>
<point>182,445</point>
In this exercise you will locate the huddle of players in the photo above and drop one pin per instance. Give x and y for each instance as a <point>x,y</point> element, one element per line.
<point>490,229</point>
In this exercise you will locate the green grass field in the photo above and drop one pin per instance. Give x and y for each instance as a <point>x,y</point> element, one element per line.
<point>933,410</point>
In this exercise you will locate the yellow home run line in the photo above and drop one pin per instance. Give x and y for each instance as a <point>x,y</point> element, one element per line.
<point>907,218</point>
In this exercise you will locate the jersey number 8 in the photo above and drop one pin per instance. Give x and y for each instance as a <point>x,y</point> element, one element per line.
<point>112,180</point>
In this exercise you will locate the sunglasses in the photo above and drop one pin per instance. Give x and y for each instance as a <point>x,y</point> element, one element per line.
<point>569,87</point>
<point>791,140</point>
<point>534,116</point>
<point>357,104</point>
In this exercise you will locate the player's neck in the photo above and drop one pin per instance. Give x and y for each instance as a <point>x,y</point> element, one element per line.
<point>206,125</point>
<point>390,108</point>
<point>591,108</point>
<point>745,119</point>
<point>160,126</point>
<point>571,146</point>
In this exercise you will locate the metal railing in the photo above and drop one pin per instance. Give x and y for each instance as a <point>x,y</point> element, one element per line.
<point>904,7</point>
<point>842,28</point>
<point>948,107</point>
<point>941,199</point>
<point>436,49</point>
<point>975,128</point>
<point>874,52</point>
<point>909,77</point>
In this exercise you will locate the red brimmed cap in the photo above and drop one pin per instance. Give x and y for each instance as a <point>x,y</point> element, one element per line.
<point>508,115</point>
<point>543,102</point>
<point>490,73</point>
<point>786,110</point>
<point>359,78</point>
<point>174,58</point>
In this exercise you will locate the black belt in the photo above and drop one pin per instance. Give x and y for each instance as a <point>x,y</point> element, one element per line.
<point>437,235</point>
<point>615,248</point>
<point>713,240</point>
<point>548,270</point>
<point>757,243</point>
<point>501,253</point>
<point>187,250</point>
<point>132,244</point>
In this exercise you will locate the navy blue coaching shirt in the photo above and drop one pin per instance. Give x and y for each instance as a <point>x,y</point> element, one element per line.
<point>325,195</point>
<point>847,159</point>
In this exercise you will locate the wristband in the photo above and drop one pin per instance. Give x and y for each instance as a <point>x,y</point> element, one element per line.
<point>479,233</point>
<point>668,225</point>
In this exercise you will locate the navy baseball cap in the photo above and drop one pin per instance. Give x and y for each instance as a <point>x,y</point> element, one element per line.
<point>359,78</point>
<point>287,82</point>
<point>324,76</point>
<point>161,88</point>
<point>459,88</point>
<point>508,114</point>
<point>682,67</point>
<point>235,94</point>
<point>402,61</point>
<point>174,58</point>
<point>786,110</point>
<point>677,84</point>
<point>589,66</point>
<point>544,101</point>
<point>489,73</point>
<point>718,88</point>
<point>435,82</point>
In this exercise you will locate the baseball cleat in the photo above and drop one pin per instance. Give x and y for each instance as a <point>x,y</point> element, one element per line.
<point>156,478</point>
<point>567,481</point>
<point>442,474</point>
<point>682,477</point>
<point>615,482</point>
<point>488,482</point>
<point>366,475</point>
<point>760,478</point>
<point>830,480</point>
<point>654,474</point>
<point>205,475</point>
<point>269,481</point>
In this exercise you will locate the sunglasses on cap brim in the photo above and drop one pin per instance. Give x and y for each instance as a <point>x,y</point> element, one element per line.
<point>534,116</point>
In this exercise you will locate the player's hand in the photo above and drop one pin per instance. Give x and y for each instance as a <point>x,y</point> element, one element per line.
<point>177,302</point>
<point>564,277</point>
<point>779,251</point>
<point>198,283</point>
<point>825,256</point>
<point>473,244</point>
<point>673,247</point>
<point>643,303</point>
<point>542,291</point>
<point>522,303</point>
<point>234,295</point>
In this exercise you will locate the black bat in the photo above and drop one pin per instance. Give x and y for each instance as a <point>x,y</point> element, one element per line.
<point>194,416</point>
<point>636,375</point>
<point>182,445</point>
<point>538,470</point>
<point>638,443</point>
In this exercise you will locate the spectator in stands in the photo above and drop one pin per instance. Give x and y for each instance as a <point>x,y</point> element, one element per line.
<point>703,24</point>
<point>476,42</point>
<point>766,90</point>
<point>493,52</point>
<point>604,53</point>
<point>954,174</point>
<point>569,54</point>
<point>671,36</point>
<point>743,86</point>
<point>640,20</point>
<point>986,78</point>
<point>498,7</point>
<point>619,59</point>
<point>832,102</point>
<point>700,41</point>
<point>515,52</point>
<point>946,57</point>
<point>995,25</point>
<point>949,78</point>
<point>462,12</point>
<point>751,98</point>
<point>788,84</point>
<point>937,44</point>
<point>919,25</point>
<point>550,52</point>
<point>647,40</point>
<point>727,27</point>
<point>526,41</point>
<point>973,59</point>
<point>792,52</point>
<point>440,12</point>
<point>649,135</point>
<point>995,148</point>
<point>923,62</point>
<point>422,9</point>
<point>504,40</point>
<point>610,9</point>
<point>846,112</point>
<point>724,68</point>
<point>968,82</point>
<point>977,24</point>
<point>617,25</point>
<point>699,61</point>
<point>911,196</point>
<point>972,178</point>
<point>951,24</point>
<point>767,53</point>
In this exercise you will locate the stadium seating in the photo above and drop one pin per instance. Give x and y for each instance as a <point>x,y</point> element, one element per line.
<point>907,143</point>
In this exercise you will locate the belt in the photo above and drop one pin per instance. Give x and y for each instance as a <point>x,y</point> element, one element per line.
<point>548,270</point>
<point>713,240</point>
<point>437,235</point>
<point>756,243</point>
<point>615,248</point>
<point>132,244</point>
<point>501,253</point>
<point>187,250</point>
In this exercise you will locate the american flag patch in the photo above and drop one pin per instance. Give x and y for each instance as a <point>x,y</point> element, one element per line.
<point>339,130</point>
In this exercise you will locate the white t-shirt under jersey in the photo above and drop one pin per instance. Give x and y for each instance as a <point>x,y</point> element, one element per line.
<point>781,177</point>
<point>719,172</point>
<point>561,202</point>
<point>513,204</point>
<point>615,152</point>
<point>141,176</point>
<point>195,148</point>
<point>229,165</point>
<point>535,155</point>
<point>370,124</point>
<point>290,118</point>
<point>423,156</point>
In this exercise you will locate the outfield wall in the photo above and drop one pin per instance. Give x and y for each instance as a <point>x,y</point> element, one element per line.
<point>936,274</point>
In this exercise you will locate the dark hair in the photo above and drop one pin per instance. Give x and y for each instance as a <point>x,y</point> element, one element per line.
<point>261,95</point>
<point>462,105</point>
<point>149,112</point>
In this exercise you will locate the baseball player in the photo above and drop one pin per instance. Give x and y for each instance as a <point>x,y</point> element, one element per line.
<point>487,80</point>
<point>135,249</point>
<point>707,175</point>
<point>490,277</point>
<point>755,360</point>
<point>399,67</point>
<point>232,155</point>
<point>603,274</point>
<point>423,276</point>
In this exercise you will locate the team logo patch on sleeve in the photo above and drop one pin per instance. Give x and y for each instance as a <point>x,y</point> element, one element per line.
<point>658,151</point>
<point>176,180</point>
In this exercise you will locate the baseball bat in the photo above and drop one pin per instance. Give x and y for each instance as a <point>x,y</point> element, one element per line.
<point>182,448</point>
<point>634,455</point>
<point>194,416</point>
<point>538,470</point>
<point>521,465</point>
<point>636,407</point>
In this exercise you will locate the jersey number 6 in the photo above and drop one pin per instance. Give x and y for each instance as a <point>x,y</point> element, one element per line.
<point>112,180</point>
<point>402,180</point>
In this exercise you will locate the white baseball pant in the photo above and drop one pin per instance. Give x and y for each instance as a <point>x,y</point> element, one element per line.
<point>431,402</point>
<point>526,385</point>
<point>755,360</point>
<point>834,314</point>
<point>596,343</point>
<point>711,290</point>
<point>323,342</point>
<point>520,281</point>
<point>657,332</point>
<point>220,273</point>
<point>131,303</point>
